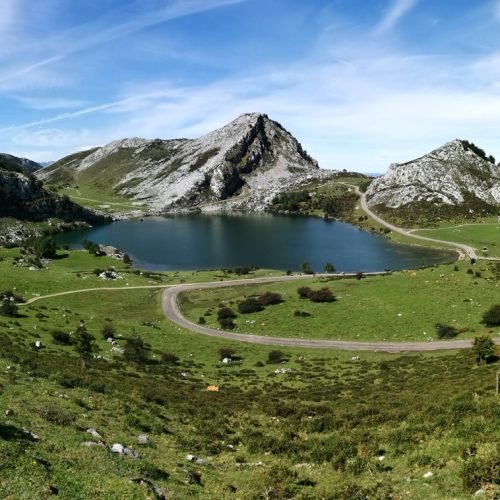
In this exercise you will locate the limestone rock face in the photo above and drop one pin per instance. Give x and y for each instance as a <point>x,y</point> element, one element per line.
<point>449,175</point>
<point>241,166</point>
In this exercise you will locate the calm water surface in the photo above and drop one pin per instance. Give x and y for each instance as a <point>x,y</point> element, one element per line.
<point>267,241</point>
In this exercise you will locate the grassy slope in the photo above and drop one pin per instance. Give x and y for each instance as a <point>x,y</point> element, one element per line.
<point>479,235</point>
<point>403,306</point>
<point>318,430</point>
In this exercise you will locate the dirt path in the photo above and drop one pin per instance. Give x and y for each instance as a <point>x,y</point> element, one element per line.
<point>171,309</point>
<point>464,250</point>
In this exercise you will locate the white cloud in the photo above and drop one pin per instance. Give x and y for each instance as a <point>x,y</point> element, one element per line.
<point>396,10</point>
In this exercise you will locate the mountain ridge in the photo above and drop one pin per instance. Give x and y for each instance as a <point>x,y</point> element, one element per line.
<point>453,175</point>
<point>241,166</point>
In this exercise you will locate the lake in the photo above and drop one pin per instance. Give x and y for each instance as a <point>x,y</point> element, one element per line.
<point>191,242</point>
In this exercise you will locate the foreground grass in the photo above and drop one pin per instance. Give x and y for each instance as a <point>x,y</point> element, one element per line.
<point>404,306</point>
<point>316,431</point>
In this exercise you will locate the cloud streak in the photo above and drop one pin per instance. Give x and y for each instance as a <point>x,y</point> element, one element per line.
<point>93,35</point>
<point>395,12</point>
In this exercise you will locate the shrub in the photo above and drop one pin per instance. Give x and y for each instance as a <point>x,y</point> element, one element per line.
<point>445,331</point>
<point>492,316</point>
<point>8,307</point>
<point>270,299</point>
<point>201,320</point>
<point>250,305</point>
<point>301,314</point>
<point>225,312</point>
<point>226,352</point>
<point>57,415</point>
<point>169,359</point>
<point>227,323</point>
<point>275,357</point>
<point>483,347</point>
<point>322,295</point>
<point>136,351</point>
<point>45,248</point>
<point>304,292</point>
<point>61,338</point>
<point>108,331</point>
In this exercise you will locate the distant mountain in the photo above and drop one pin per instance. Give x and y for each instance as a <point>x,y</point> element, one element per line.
<point>46,163</point>
<point>241,166</point>
<point>25,164</point>
<point>457,178</point>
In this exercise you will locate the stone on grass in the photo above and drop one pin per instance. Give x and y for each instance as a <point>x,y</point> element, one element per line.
<point>143,439</point>
<point>427,475</point>
<point>94,433</point>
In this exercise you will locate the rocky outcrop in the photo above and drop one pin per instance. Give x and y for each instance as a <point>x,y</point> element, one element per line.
<point>243,165</point>
<point>23,197</point>
<point>457,175</point>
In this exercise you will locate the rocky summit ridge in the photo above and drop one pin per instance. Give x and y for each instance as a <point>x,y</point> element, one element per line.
<point>456,174</point>
<point>241,166</point>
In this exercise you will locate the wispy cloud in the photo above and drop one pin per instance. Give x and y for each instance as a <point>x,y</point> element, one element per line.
<point>394,13</point>
<point>103,31</point>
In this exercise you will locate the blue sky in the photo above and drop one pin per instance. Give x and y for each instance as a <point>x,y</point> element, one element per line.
<point>361,83</point>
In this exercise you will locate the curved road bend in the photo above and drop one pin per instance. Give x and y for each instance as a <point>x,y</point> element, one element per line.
<point>171,309</point>
<point>466,250</point>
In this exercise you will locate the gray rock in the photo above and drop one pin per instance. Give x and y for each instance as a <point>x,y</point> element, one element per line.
<point>143,439</point>
<point>118,448</point>
<point>191,458</point>
<point>94,433</point>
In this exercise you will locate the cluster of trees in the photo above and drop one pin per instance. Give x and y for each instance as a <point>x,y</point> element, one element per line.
<point>328,268</point>
<point>8,303</point>
<point>92,248</point>
<point>339,205</point>
<point>321,295</point>
<point>45,248</point>
<point>256,304</point>
<point>477,150</point>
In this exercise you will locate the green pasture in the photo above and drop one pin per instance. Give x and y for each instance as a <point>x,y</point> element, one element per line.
<point>484,236</point>
<point>403,306</point>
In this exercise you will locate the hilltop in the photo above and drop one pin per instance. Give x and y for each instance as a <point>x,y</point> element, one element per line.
<point>457,179</point>
<point>241,166</point>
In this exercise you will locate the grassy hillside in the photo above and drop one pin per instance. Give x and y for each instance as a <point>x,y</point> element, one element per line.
<point>402,306</point>
<point>327,427</point>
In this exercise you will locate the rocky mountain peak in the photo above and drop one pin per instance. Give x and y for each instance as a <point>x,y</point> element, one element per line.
<point>453,174</point>
<point>251,158</point>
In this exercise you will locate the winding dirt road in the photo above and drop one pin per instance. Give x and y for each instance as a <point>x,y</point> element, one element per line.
<point>464,250</point>
<point>172,311</point>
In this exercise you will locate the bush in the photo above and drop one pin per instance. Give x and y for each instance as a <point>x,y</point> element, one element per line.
<point>136,351</point>
<point>201,320</point>
<point>57,415</point>
<point>250,305</point>
<point>492,316</point>
<point>45,248</point>
<point>302,314</point>
<point>108,331</point>
<point>275,357</point>
<point>483,347</point>
<point>227,323</point>
<point>270,299</point>
<point>226,352</point>
<point>169,359</point>
<point>304,292</point>
<point>322,295</point>
<point>445,331</point>
<point>8,307</point>
<point>61,338</point>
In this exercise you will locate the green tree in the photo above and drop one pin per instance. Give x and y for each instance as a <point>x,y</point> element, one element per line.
<point>136,351</point>
<point>275,357</point>
<point>108,330</point>
<point>492,316</point>
<point>85,346</point>
<point>329,268</point>
<point>306,268</point>
<point>45,248</point>
<point>8,307</point>
<point>483,347</point>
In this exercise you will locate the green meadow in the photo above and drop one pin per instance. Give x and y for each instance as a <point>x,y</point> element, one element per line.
<point>317,424</point>
<point>402,306</point>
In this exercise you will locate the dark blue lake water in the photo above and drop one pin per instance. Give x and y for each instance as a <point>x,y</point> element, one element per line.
<point>266,241</point>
